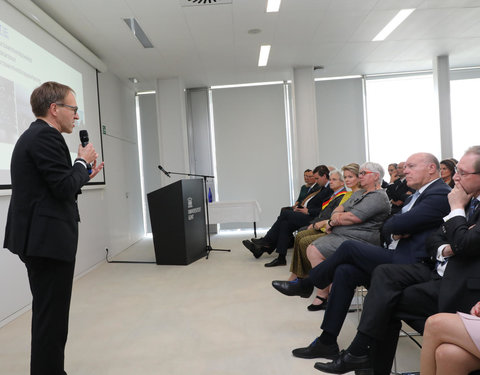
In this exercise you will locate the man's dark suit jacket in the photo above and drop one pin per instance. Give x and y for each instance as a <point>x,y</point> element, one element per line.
<point>326,213</point>
<point>43,214</point>
<point>306,191</point>
<point>460,285</point>
<point>398,191</point>
<point>419,222</point>
<point>315,204</point>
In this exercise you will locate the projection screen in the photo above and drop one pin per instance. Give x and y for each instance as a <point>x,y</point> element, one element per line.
<point>30,56</point>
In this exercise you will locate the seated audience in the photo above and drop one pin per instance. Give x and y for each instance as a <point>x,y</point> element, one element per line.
<point>308,188</point>
<point>300,264</point>
<point>451,343</point>
<point>398,192</point>
<point>354,261</point>
<point>416,290</point>
<point>392,171</point>
<point>359,218</point>
<point>447,170</point>
<point>281,233</point>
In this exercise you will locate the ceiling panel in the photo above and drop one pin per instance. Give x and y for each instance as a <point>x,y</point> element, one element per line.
<point>210,44</point>
<point>338,26</point>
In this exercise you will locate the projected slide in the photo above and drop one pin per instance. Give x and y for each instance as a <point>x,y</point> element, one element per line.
<point>24,66</point>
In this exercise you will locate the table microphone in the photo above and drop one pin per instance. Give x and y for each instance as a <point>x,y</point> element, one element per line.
<point>84,140</point>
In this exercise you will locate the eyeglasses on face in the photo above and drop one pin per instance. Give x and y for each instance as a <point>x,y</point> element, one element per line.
<point>462,173</point>
<point>363,173</point>
<point>73,108</point>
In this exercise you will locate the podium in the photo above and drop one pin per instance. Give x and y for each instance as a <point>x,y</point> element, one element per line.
<point>178,223</point>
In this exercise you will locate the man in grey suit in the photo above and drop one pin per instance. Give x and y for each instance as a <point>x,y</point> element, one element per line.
<point>42,222</point>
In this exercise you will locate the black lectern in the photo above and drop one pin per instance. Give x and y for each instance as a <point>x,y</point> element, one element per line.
<point>177,216</point>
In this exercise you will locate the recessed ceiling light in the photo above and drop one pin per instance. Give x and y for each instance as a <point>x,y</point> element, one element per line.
<point>254,31</point>
<point>273,5</point>
<point>393,24</point>
<point>264,52</point>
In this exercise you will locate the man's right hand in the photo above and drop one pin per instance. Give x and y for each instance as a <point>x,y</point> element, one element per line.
<point>458,197</point>
<point>87,153</point>
<point>476,309</point>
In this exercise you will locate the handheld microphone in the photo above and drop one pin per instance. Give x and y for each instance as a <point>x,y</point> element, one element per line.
<point>84,137</point>
<point>84,140</point>
<point>164,171</point>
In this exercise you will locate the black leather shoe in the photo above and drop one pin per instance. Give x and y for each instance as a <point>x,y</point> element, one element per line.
<point>257,251</point>
<point>317,350</point>
<point>346,362</point>
<point>276,262</point>
<point>292,288</point>
<point>260,241</point>
<point>322,306</point>
<point>263,244</point>
<point>269,250</point>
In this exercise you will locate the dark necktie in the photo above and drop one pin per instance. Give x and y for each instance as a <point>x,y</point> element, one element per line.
<point>472,208</point>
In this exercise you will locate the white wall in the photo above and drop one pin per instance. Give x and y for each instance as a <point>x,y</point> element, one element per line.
<point>152,176</point>
<point>172,128</point>
<point>122,192</point>
<point>108,218</point>
<point>305,150</point>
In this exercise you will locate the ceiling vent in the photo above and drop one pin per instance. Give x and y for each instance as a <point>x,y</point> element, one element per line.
<point>191,3</point>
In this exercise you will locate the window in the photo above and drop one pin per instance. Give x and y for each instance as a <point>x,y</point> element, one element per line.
<point>465,114</point>
<point>401,118</point>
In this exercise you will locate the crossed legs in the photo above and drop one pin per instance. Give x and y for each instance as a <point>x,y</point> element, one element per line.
<point>447,347</point>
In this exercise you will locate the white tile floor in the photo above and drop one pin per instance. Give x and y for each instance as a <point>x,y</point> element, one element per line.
<point>219,316</point>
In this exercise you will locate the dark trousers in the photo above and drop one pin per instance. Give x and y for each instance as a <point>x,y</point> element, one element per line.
<point>51,286</point>
<point>408,289</point>
<point>281,233</point>
<point>350,266</point>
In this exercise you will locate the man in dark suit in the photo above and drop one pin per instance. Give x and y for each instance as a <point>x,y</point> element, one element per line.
<point>280,234</point>
<point>42,222</point>
<point>399,191</point>
<point>417,290</point>
<point>354,261</point>
<point>309,187</point>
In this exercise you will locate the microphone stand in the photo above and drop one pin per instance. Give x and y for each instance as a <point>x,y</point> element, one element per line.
<point>209,247</point>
